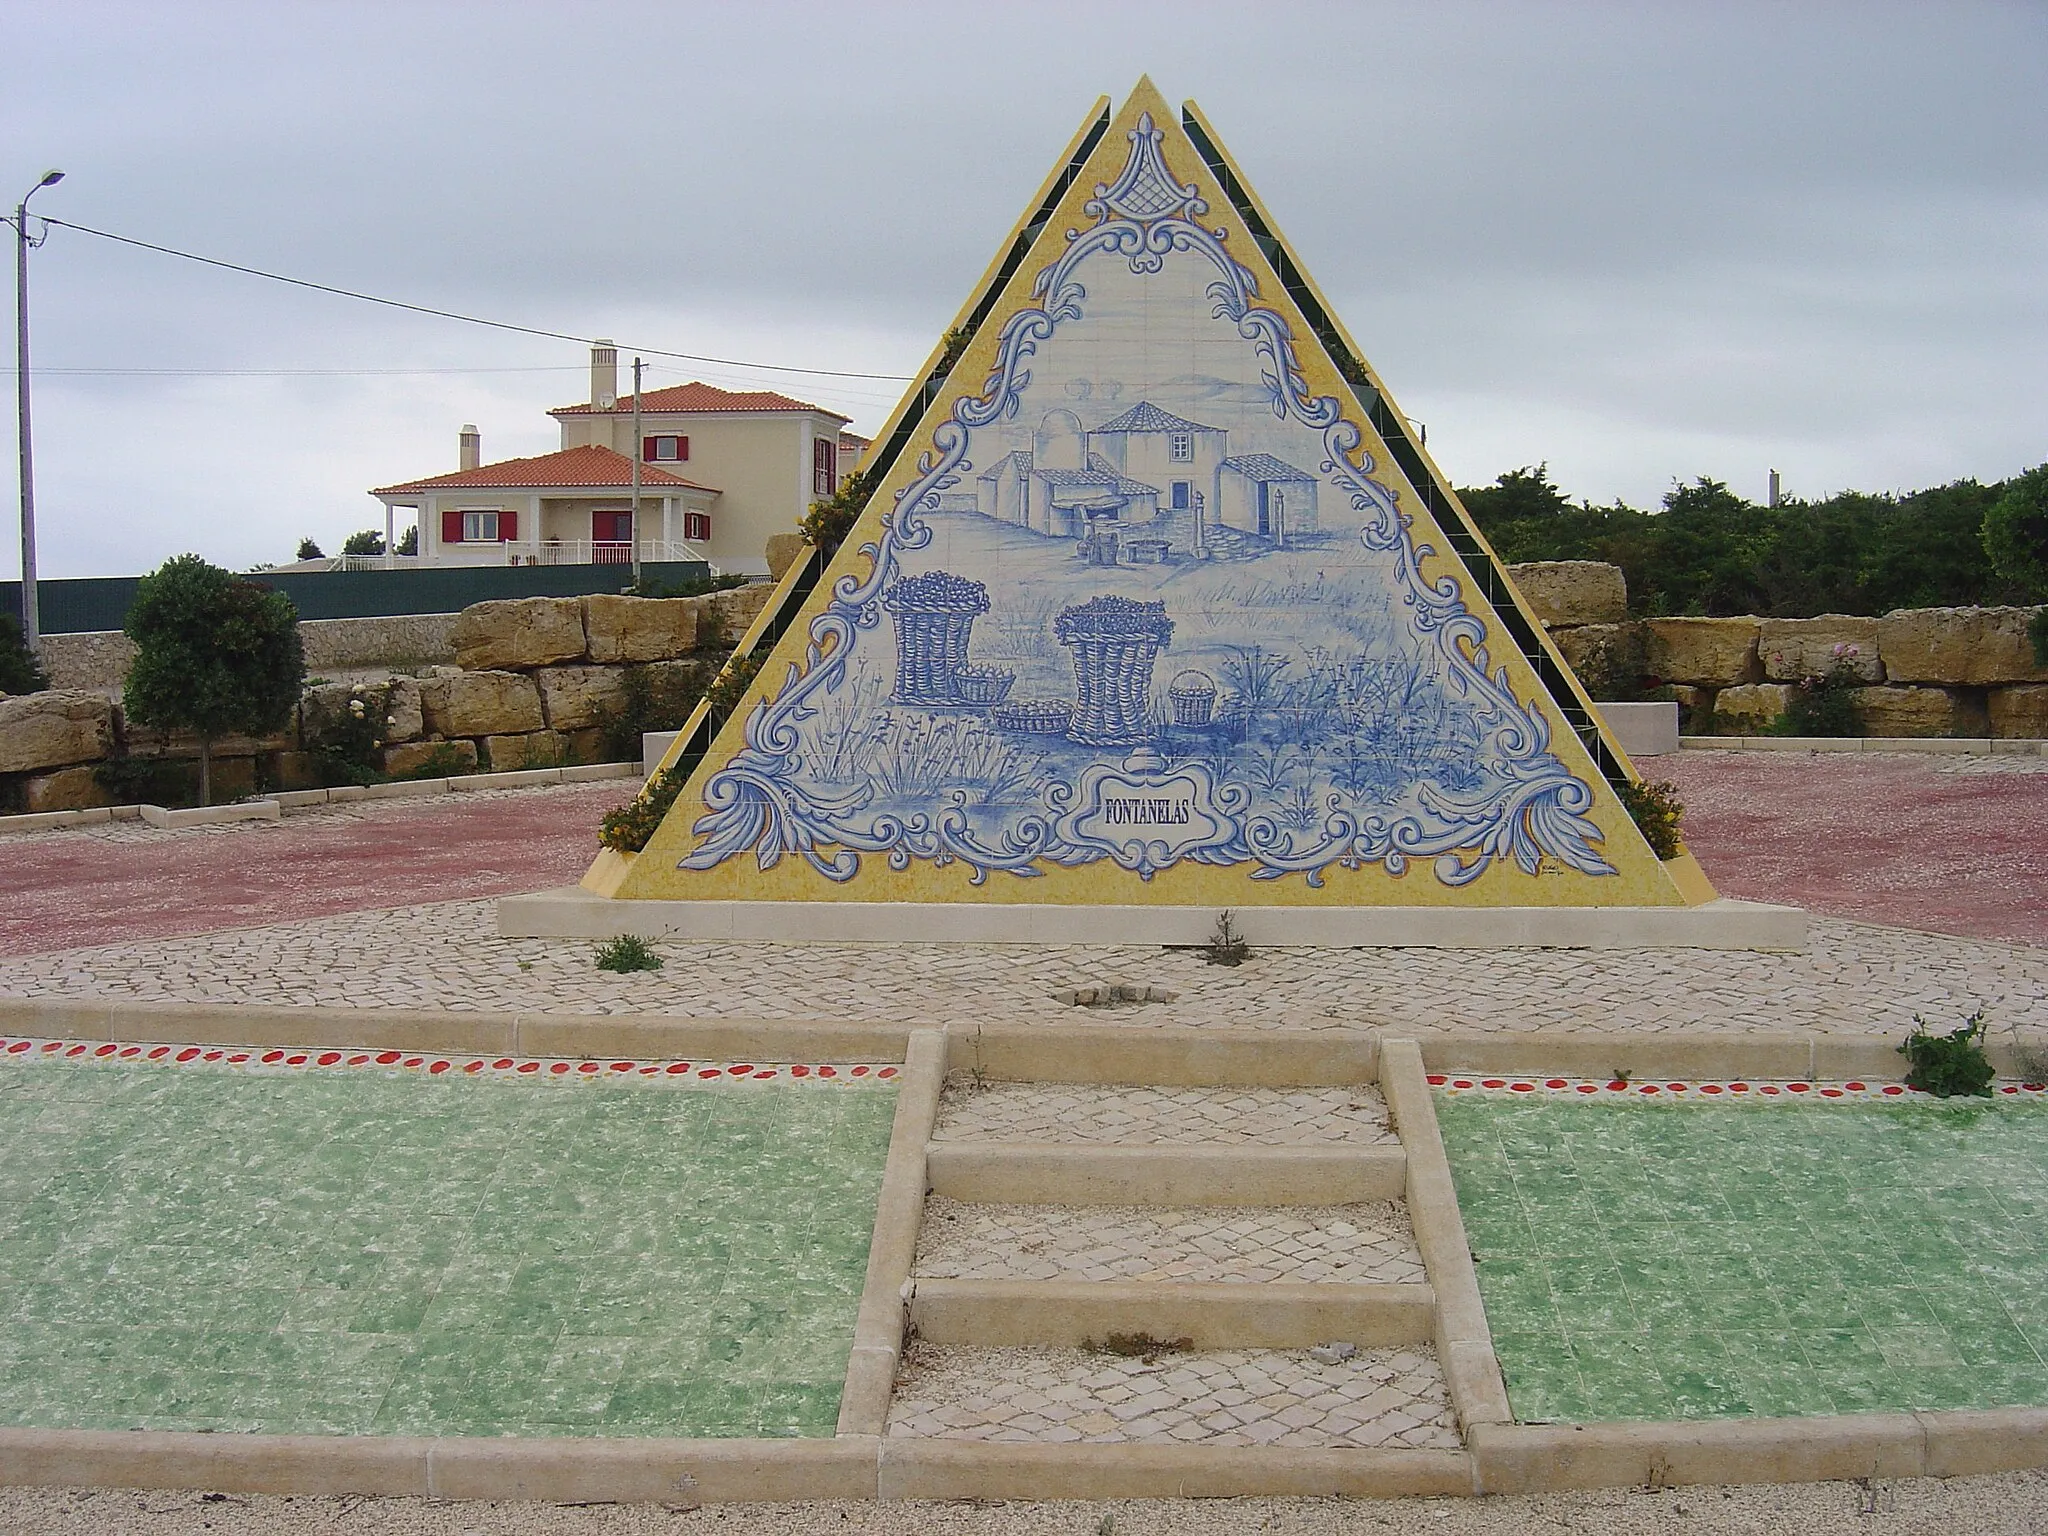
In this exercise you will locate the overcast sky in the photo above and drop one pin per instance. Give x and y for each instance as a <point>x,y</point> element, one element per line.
<point>1637,241</point>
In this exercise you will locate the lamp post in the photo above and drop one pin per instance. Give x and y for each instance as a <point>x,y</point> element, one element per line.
<point>31,627</point>
<point>634,518</point>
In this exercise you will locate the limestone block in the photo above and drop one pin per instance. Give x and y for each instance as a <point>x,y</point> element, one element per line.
<point>518,632</point>
<point>784,550</point>
<point>1959,645</point>
<point>1892,711</point>
<point>573,696</point>
<point>1718,652</point>
<point>404,719</point>
<point>2019,712</point>
<point>1695,708</point>
<point>54,728</point>
<point>295,770</point>
<point>402,761</point>
<point>583,746</point>
<point>622,629</point>
<point>535,749</point>
<point>1794,648</point>
<point>1751,707</point>
<point>1573,591</point>
<point>741,605</point>
<point>481,704</point>
<point>1608,658</point>
<point>68,789</point>
<point>148,741</point>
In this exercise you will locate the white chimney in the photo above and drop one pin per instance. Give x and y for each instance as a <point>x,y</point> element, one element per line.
<point>471,453</point>
<point>1776,488</point>
<point>604,374</point>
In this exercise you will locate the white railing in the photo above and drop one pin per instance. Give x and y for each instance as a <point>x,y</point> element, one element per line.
<point>548,552</point>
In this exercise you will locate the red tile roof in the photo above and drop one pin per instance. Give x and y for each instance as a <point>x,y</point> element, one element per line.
<point>587,467</point>
<point>701,398</point>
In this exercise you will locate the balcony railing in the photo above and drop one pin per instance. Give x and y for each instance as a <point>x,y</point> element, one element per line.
<point>547,552</point>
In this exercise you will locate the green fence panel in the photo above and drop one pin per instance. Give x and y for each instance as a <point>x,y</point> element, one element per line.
<point>82,605</point>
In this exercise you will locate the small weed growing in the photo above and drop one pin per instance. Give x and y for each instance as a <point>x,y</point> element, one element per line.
<point>1226,945</point>
<point>1655,808</point>
<point>1619,1075</point>
<point>1951,1065</point>
<point>1137,1346</point>
<point>627,952</point>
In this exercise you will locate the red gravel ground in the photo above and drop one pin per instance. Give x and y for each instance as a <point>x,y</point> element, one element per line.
<point>1885,838</point>
<point>75,889</point>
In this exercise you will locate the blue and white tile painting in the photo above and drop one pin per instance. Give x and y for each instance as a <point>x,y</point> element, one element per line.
<point>1144,601</point>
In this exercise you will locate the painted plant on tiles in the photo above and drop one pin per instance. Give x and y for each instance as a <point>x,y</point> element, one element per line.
<point>1145,602</point>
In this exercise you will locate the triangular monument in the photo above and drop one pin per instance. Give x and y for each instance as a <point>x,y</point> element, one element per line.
<point>1156,609</point>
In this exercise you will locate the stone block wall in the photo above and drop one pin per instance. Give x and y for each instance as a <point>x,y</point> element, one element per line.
<point>1921,671</point>
<point>530,681</point>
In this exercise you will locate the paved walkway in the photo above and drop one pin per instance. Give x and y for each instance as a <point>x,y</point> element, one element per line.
<point>89,884</point>
<point>1954,844</point>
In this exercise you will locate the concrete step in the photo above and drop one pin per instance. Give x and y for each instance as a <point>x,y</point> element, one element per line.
<point>1049,1173</point>
<point>1080,1313</point>
<point>1365,1244</point>
<point>1086,1112</point>
<point>1380,1398</point>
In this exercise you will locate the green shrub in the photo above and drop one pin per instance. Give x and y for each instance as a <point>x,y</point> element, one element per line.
<point>348,743</point>
<point>651,698</point>
<point>2015,532</point>
<point>213,654</point>
<point>1656,810</point>
<point>441,762</point>
<point>627,952</point>
<point>829,521</point>
<point>1951,1065</point>
<point>1826,705</point>
<point>153,780</point>
<point>19,670</point>
<point>647,586</point>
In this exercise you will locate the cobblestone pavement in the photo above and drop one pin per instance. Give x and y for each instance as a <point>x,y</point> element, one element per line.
<point>1854,978</point>
<point>125,880</point>
<point>1954,843</point>
<point>1177,1116</point>
<point>1385,1397</point>
<point>1336,1244</point>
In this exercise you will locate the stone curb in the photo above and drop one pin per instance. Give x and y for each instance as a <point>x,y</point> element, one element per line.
<point>211,815</point>
<point>1464,1343</point>
<point>1974,746</point>
<point>300,799</point>
<point>1062,1173</point>
<point>892,1249</point>
<point>1209,1315</point>
<point>980,1469</point>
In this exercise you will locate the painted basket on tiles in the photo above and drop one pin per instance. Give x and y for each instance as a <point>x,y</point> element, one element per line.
<point>1034,717</point>
<point>976,684</point>
<point>1193,697</point>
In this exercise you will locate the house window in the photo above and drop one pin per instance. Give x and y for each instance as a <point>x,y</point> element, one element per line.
<point>611,527</point>
<point>697,527</point>
<point>667,449</point>
<point>824,467</point>
<point>479,527</point>
<point>1180,447</point>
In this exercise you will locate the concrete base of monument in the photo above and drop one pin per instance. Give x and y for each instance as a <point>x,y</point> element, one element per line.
<point>574,913</point>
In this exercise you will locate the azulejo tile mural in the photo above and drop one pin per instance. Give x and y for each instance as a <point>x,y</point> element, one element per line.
<point>1146,612</point>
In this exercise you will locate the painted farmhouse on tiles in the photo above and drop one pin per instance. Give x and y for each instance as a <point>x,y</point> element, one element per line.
<point>720,472</point>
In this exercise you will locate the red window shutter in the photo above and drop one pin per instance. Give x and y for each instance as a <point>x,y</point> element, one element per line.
<point>646,449</point>
<point>451,527</point>
<point>682,448</point>
<point>508,527</point>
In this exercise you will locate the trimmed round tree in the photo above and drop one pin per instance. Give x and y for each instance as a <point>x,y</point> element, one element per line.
<point>2016,532</point>
<point>214,654</point>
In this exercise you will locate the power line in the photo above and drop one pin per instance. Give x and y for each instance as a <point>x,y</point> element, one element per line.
<point>41,371</point>
<point>449,314</point>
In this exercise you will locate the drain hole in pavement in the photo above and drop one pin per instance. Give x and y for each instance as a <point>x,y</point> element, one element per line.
<point>1118,995</point>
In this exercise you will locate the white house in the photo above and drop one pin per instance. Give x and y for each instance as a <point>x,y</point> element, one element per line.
<point>720,471</point>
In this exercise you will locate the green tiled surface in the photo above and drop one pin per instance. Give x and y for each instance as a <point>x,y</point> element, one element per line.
<point>360,1253</point>
<point>1654,1261</point>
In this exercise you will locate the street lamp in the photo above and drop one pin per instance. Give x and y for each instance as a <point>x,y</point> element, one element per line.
<point>30,625</point>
